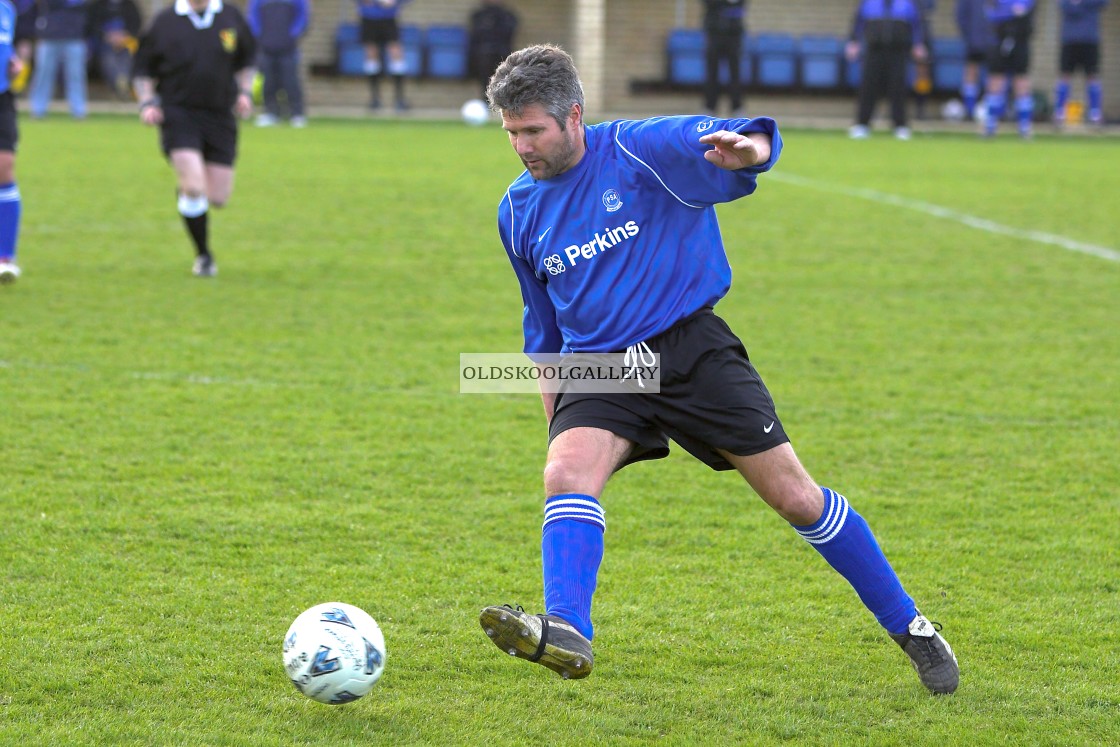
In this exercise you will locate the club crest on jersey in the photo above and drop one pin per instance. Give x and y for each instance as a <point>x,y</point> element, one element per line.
<point>611,200</point>
<point>705,126</point>
<point>229,39</point>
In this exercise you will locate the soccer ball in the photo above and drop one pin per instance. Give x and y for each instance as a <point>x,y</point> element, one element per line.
<point>953,110</point>
<point>475,112</point>
<point>334,653</point>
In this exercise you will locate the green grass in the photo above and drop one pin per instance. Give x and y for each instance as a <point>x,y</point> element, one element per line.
<point>187,465</point>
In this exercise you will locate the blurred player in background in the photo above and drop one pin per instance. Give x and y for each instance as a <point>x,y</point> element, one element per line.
<point>116,27</point>
<point>887,34</point>
<point>725,21</point>
<point>60,43</point>
<point>381,36</point>
<point>192,72</point>
<point>279,25</point>
<point>492,26</point>
<point>1010,58</point>
<point>1081,50</point>
<point>979,37</point>
<point>10,204</point>
<point>613,236</point>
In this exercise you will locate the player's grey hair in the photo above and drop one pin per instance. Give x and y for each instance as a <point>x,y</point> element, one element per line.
<point>542,74</point>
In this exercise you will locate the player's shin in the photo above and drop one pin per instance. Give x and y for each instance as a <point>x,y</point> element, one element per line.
<point>846,542</point>
<point>571,551</point>
<point>194,210</point>
<point>10,206</point>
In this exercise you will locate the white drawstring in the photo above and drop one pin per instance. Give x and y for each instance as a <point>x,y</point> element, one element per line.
<point>635,358</point>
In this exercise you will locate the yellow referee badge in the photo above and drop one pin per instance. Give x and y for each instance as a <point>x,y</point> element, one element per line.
<point>229,39</point>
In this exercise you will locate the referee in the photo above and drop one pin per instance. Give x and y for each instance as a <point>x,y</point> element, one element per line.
<point>192,71</point>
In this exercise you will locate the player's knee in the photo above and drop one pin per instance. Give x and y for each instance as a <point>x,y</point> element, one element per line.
<point>565,476</point>
<point>800,505</point>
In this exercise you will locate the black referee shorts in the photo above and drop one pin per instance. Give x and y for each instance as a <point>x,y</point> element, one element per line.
<point>380,30</point>
<point>210,131</point>
<point>9,133</point>
<point>711,398</point>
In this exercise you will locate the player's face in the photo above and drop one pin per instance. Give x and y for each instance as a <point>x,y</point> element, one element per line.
<point>544,148</point>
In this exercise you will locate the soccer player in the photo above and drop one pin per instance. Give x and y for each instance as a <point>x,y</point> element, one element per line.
<point>381,36</point>
<point>192,72</point>
<point>1010,56</point>
<point>650,288</point>
<point>887,34</point>
<point>10,203</point>
<point>1081,49</point>
<point>977,34</point>
<point>724,24</point>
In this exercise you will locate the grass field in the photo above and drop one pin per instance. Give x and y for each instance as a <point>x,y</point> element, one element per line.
<point>186,465</point>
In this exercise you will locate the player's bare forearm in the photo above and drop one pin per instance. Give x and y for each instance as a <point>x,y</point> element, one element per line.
<point>144,88</point>
<point>243,107</point>
<point>733,150</point>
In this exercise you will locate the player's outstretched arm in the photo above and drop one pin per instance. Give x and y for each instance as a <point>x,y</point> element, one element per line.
<point>731,150</point>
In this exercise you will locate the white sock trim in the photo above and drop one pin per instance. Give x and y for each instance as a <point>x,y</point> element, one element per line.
<point>192,207</point>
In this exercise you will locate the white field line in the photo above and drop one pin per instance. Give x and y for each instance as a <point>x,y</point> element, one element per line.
<point>980,224</point>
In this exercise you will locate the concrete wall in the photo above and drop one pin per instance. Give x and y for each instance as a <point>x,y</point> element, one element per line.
<point>617,41</point>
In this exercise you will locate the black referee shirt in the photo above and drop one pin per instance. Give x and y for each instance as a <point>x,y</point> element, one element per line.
<point>193,58</point>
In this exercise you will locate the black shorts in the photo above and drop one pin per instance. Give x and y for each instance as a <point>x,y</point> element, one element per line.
<point>1010,56</point>
<point>209,131</point>
<point>711,398</point>
<point>1083,55</point>
<point>9,133</point>
<point>380,30</point>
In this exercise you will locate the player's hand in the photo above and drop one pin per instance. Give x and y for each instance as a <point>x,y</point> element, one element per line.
<point>15,67</point>
<point>244,105</point>
<point>151,114</point>
<point>852,50</point>
<point>731,151</point>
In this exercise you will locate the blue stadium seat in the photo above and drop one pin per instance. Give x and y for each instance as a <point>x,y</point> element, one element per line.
<point>685,54</point>
<point>412,39</point>
<point>350,56</point>
<point>948,64</point>
<point>348,33</point>
<point>446,49</point>
<point>821,61</point>
<point>777,60</point>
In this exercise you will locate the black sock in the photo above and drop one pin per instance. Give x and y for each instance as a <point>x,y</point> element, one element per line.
<point>197,228</point>
<point>398,87</point>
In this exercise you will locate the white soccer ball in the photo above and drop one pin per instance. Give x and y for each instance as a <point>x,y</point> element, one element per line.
<point>475,112</point>
<point>334,653</point>
<point>953,110</point>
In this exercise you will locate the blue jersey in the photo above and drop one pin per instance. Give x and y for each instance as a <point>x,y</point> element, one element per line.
<point>7,40</point>
<point>1001,11</point>
<point>377,10</point>
<point>624,244</point>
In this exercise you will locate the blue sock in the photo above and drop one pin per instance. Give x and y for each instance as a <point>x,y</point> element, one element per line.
<point>970,94</point>
<point>1061,98</point>
<point>9,220</point>
<point>1096,98</point>
<point>1024,112</point>
<point>997,102</point>
<point>846,542</point>
<point>571,550</point>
